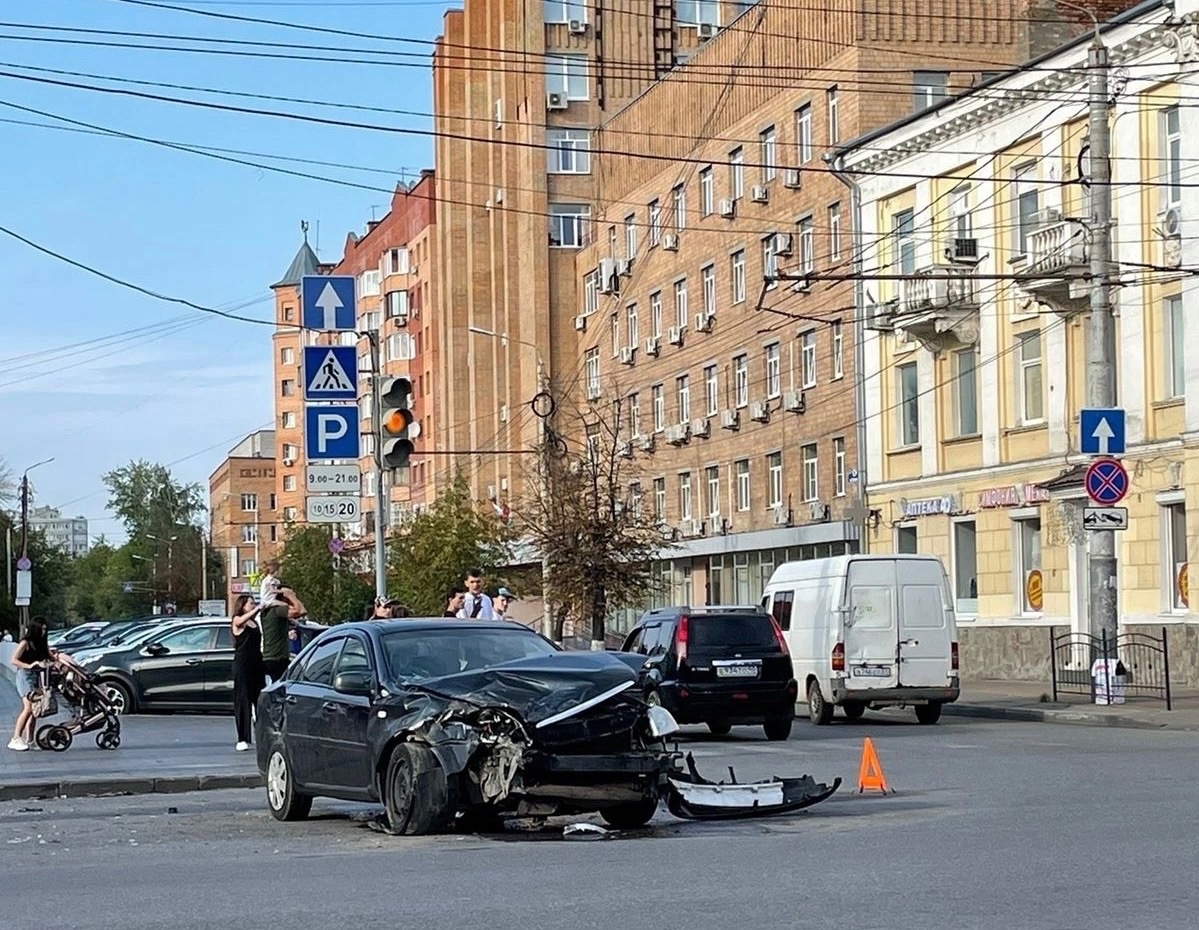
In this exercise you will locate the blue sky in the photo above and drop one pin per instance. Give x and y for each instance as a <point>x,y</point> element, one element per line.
<point>214,233</point>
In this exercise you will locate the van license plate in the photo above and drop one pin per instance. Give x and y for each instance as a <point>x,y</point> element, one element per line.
<point>736,671</point>
<point>872,671</point>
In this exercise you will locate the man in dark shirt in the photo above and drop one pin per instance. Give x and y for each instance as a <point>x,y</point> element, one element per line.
<point>276,647</point>
<point>454,598</point>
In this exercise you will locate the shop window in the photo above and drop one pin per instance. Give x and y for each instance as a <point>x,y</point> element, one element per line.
<point>965,566</point>
<point>1028,560</point>
<point>905,540</point>
<point>1174,537</point>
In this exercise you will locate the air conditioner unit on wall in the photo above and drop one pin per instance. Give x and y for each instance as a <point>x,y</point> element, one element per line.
<point>578,27</point>
<point>555,101</point>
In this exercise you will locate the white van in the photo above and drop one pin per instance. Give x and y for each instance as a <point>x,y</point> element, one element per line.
<point>868,631</point>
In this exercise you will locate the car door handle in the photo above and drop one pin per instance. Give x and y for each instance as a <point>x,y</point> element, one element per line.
<point>290,699</point>
<point>330,706</point>
<point>910,642</point>
<point>194,661</point>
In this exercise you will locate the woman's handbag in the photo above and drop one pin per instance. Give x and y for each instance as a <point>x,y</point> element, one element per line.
<point>44,702</point>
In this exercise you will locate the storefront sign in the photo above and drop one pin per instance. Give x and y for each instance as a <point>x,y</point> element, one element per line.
<point>1023,495</point>
<point>928,506</point>
<point>1184,585</point>
<point>1034,590</point>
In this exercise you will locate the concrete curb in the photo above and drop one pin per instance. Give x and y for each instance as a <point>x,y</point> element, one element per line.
<point>95,787</point>
<point>1053,715</point>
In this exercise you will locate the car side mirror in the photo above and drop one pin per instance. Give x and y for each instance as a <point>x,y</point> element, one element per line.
<point>655,660</point>
<point>156,649</point>
<point>356,683</point>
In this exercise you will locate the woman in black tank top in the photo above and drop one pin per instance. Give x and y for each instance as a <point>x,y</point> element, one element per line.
<point>248,674</point>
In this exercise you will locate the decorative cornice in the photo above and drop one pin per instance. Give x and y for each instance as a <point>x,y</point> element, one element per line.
<point>1184,38</point>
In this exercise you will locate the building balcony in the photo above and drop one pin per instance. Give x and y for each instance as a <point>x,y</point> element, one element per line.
<point>938,307</point>
<point>1057,271</point>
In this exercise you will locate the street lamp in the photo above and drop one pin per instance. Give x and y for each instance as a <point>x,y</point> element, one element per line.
<point>170,565</point>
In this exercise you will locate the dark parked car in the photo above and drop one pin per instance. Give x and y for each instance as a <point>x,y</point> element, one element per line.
<point>439,717</point>
<point>717,665</point>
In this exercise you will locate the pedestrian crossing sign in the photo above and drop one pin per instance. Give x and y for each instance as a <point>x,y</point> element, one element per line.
<point>330,373</point>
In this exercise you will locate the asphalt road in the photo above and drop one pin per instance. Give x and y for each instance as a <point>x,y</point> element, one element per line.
<point>995,825</point>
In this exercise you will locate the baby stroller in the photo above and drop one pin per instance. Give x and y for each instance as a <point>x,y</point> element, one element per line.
<point>92,710</point>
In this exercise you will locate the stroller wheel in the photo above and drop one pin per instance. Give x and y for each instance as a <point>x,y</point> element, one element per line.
<point>40,738</point>
<point>59,739</point>
<point>108,740</point>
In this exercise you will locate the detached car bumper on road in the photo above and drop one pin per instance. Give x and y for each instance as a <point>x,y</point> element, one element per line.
<point>539,733</point>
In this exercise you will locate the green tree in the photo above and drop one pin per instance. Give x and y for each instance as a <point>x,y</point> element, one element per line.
<point>8,484</point>
<point>437,548</point>
<point>329,587</point>
<point>51,577</point>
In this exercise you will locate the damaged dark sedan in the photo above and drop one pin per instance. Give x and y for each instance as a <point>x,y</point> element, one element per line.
<point>448,722</point>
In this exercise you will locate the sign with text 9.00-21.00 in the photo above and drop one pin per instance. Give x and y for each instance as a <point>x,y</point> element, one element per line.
<point>334,508</point>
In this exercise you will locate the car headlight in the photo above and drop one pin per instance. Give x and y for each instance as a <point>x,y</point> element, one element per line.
<point>662,722</point>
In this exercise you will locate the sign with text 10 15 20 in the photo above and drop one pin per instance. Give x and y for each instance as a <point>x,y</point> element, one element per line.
<point>333,508</point>
<point>334,477</point>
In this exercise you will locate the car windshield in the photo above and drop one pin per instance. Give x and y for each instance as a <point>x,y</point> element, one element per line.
<point>732,630</point>
<point>119,632</point>
<point>136,637</point>
<point>416,655</point>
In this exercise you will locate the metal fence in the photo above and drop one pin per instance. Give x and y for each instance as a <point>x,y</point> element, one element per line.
<point>1137,665</point>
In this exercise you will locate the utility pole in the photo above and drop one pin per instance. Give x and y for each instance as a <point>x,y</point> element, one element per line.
<point>1100,328</point>
<point>24,612</point>
<point>380,510</point>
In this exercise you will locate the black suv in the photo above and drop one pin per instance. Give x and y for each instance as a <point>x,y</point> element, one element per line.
<point>717,665</point>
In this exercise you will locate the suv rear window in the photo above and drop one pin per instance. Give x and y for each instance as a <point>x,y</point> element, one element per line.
<point>732,630</point>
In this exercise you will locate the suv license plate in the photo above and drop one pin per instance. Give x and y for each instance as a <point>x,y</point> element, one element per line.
<point>872,671</point>
<point>736,671</point>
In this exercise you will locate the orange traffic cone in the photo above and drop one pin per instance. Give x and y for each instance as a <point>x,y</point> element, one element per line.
<point>870,772</point>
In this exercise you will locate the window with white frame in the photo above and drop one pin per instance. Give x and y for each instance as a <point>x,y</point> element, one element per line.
<point>697,12</point>
<point>737,275</point>
<point>289,514</point>
<point>711,390</point>
<point>770,264</point>
<point>591,293</point>
<point>401,347</point>
<point>289,482</point>
<point>965,566</point>
<point>568,225</point>
<point>370,283</point>
<point>636,499</point>
<point>1175,349</point>
<point>614,323</point>
<point>568,151</point>
<point>593,373</point>
<point>612,242</point>
<point>366,406</point>
<point>768,143</point>
<point>961,223</point>
<point>965,391</point>
<point>909,404</point>
<point>249,533</point>
<point>741,380</point>
<point>1171,156</point>
<point>834,115</point>
<point>1030,385</point>
<point>682,386</point>
<point>631,318</point>
<point>774,479</point>
<point>288,387</point>
<point>707,192</point>
<point>928,88</point>
<point>773,371</point>
<point>563,11</point>
<point>655,222</point>
<point>680,303</point>
<point>372,319</point>
<point>1026,201</point>
<point>1174,540</point>
<point>634,404</point>
<point>567,74</point>
<point>737,173</point>
<point>398,261</point>
<point>289,420</point>
<point>905,539</point>
<point>397,305</point>
<point>658,398</point>
<point>685,495</point>
<point>807,245</point>
<point>839,466</point>
<point>660,498</point>
<point>678,200</point>
<point>741,468</point>
<point>903,232</point>
<point>248,567</point>
<point>287,356</point>
<point>249,503</point>
<point>807,358</point>
<point>834,232</point>
<point>712,481</point>
<point>838,350</point>
<point>630,236</point>
<point>1028,557</point>
<point>810,472</point>
<point>803,134</point>
<point>708,274</point>
<point>655,314</point>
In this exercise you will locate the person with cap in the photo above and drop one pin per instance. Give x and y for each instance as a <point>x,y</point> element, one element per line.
<point>387,608</point>
<point>499,606</point>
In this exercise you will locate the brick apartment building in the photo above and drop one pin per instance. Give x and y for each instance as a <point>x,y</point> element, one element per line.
<point>392,263</point>
<point>242,508</point>
<point>737,383</point>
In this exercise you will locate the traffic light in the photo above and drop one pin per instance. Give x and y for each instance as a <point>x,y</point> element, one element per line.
<point>397,422</point>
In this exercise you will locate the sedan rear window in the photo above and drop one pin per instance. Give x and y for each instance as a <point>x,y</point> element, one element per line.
<point>416,655</point>
<point>732,630</point>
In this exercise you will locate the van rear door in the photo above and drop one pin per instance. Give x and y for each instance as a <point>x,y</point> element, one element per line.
<point>871,624</point>
<point>925,632</point>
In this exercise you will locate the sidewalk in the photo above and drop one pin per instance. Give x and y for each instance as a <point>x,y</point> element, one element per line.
<point>1031,700</point>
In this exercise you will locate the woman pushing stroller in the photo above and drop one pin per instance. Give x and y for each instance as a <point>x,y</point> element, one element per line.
<point>33,654</point>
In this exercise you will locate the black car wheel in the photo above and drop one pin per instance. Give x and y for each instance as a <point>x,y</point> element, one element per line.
<point>928,713</point>
<point>853,709</point>
<point>630,816</point>
<point>119,696</point>
<point>778,728</point>
<point>719,728</point>
<point>819,710</point>
<point>419,797</point>
<point>281,796</point>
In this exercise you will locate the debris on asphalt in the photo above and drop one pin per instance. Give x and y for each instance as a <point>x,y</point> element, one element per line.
<point>585,830</point>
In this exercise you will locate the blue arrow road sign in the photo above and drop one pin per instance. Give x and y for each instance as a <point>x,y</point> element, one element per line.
<point>1107,482</point>
<point>328,302</point>
<point>331,432</point>
<point>330,373</point>
<point>1102,431</point>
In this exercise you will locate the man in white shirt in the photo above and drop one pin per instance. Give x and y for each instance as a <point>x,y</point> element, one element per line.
<point>477,605</point>
<point>269,586</point>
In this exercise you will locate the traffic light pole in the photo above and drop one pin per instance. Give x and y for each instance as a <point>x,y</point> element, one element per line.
<point>377,462</point>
